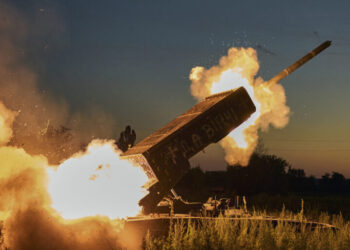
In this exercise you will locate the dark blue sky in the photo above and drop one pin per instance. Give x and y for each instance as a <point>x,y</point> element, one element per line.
<point>133,58</point>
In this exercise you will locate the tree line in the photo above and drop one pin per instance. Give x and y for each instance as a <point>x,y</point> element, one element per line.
<point>265,173</point>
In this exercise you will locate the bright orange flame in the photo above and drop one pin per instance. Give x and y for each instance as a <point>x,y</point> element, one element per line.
<point>97,182</point>
<point>238,69</point>
<point>90,183</point>
<point>36,199</point>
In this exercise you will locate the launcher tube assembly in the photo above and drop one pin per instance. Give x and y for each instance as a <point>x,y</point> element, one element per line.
<point>300,62</point>
<point>164,154</point>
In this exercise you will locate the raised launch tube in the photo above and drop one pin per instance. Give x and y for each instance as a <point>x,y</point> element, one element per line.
<point>300,62</point>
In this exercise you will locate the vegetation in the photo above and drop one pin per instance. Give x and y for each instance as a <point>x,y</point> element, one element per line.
<point>268,183</point>
<point>265,174</point>
<point>314,206</point>
<point>253,234</point>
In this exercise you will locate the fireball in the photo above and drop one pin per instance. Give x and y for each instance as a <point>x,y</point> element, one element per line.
<point>238,69</point>
<point>97,182</point>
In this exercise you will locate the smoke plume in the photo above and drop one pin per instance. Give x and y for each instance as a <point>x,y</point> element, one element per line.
<point>44,123</point>
<point>239,68</point>
<point>33,123</point>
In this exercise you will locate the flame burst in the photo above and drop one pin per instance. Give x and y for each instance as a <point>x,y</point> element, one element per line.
<point>38,202</point>
<point>238,69</point>
<point>90,183</point>
<point>97,182</point>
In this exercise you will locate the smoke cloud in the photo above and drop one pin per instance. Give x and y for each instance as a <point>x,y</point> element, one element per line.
<point>44,123</point>
<point>239,68</point>
<point>34,123</point>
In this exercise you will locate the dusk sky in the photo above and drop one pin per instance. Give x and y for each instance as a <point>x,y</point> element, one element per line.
<point>133,59</point>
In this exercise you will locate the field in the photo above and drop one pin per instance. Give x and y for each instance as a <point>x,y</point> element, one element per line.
<point>223,233</point>
<point>226,234</point>
<point>245,234</point>
<point>314,206</point>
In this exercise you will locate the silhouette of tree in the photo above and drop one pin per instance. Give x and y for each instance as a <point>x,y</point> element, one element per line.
<point>265,173</point>
<point>299,183</point>
<point>324,185</point>
<point>335,183</point>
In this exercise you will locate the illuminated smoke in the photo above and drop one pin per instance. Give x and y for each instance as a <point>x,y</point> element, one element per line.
<point>94,183</point>
<point>6,119</point>
<point>27,217</point>
<point>36,107</point>
<point>238,69</point>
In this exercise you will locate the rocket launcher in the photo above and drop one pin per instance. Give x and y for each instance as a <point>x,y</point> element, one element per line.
<point>165,154</point>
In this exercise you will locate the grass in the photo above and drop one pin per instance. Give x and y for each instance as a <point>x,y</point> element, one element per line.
<point>251,234</point>
<point>224,233</point>
<point>314,205</point>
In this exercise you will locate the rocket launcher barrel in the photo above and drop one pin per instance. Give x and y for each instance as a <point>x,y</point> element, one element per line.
<point>300,62</point>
